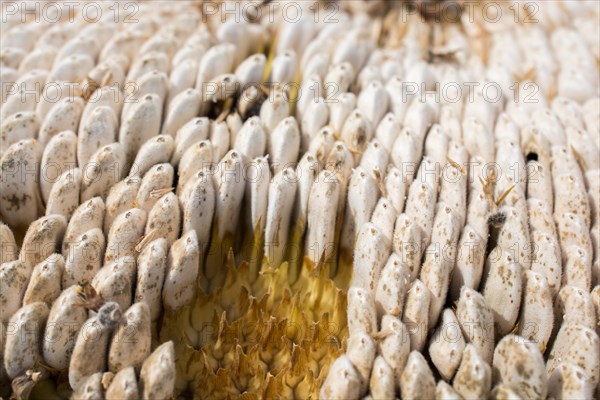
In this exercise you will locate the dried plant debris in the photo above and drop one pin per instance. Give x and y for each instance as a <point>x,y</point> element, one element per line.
<point>329,199</point>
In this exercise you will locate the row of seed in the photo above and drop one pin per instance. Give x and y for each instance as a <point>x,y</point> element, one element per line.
<point>387,305</point>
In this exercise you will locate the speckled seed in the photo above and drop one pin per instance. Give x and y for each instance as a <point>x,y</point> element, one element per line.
<point>130,344</point>
<point>197,202</point>
<point>574,305</point>
<point>109,96</point>
<point>156,150</point>
<point>151,270</point>
<point>43,238</point>
<point>44,284</point>
<point>579,345</point>
<point>536,317</point>
<point>469,262</point>
<point>194,131</point>
<point>387,131</point>
<point>395,188</point>
<point>417,380</point>
<point>520,365</point>
<point>64,195</point>
<point>59,156</point>
<point>284,144</point>
<point>165,218</point>
<point>362,316</point>
<point>89,354</point>
<point>88,215</point>
<point>182,271</point>
<point>446,346</point>
<point>476,321</point>
<point>157,182</point>
<point>342,382</point>
<point>370,255</point>
<point>444,391</point>
<point>121,198</point>
<point>19,126</point>
<point>546,259</point>
<point>251,140</point>
<point>362,198</point>
<point>454,192</point>
<point>477,214</point>
<point>196,158</point>
<point>22,348</point>
<point>357,131</point>
<point>577,270</point>
<point>394,345</point>
<point>416,314</point>
<point>19,189</point>
<point>14,277</point>
<point>565,163</point>
<point>64,116</point>
<point>230,185</point>
<point>282,192</point>
<point>407,243</point>
<point>420,207</point>
<point>572,232</point>
<point>105,168</point>
<point>383,382</point>
<point>141,123</point>
<point>392,288</point>
<point>502,289</point>
<point>514,236</point>
<point>125,234</point>
<point>99,128</point>
<point>65,318</point>
<point>539,184</point>
<point>84,258</point>
<point>361,353</point>
<point>90,388</point>
<point>115,280</point>
<point>181,109</point>
<point>153,83</point>
<point>384,217</point>
<point>474,376</point>
<point>221,139</point>
<point>26,99</point>
<point>571,197</point>
<point>568,381</point>
<point>339,110</point>
<point>157,376</point>
<point>123,386</point>
<point>10,252</point>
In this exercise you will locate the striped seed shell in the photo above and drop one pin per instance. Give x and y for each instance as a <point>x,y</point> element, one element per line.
<point>44,284</point>
<point>182,271</point>
<point>473,378</point>
<point>89,354</point>
<point>520,365</point>
<point>417,381</point>
<point>22,348</point>
<point>64,321</point>
<point>157,376</point>
<point>105,168</point>
<point>130,344</point>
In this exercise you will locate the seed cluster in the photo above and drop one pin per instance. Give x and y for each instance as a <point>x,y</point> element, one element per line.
<point>221,204</point>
